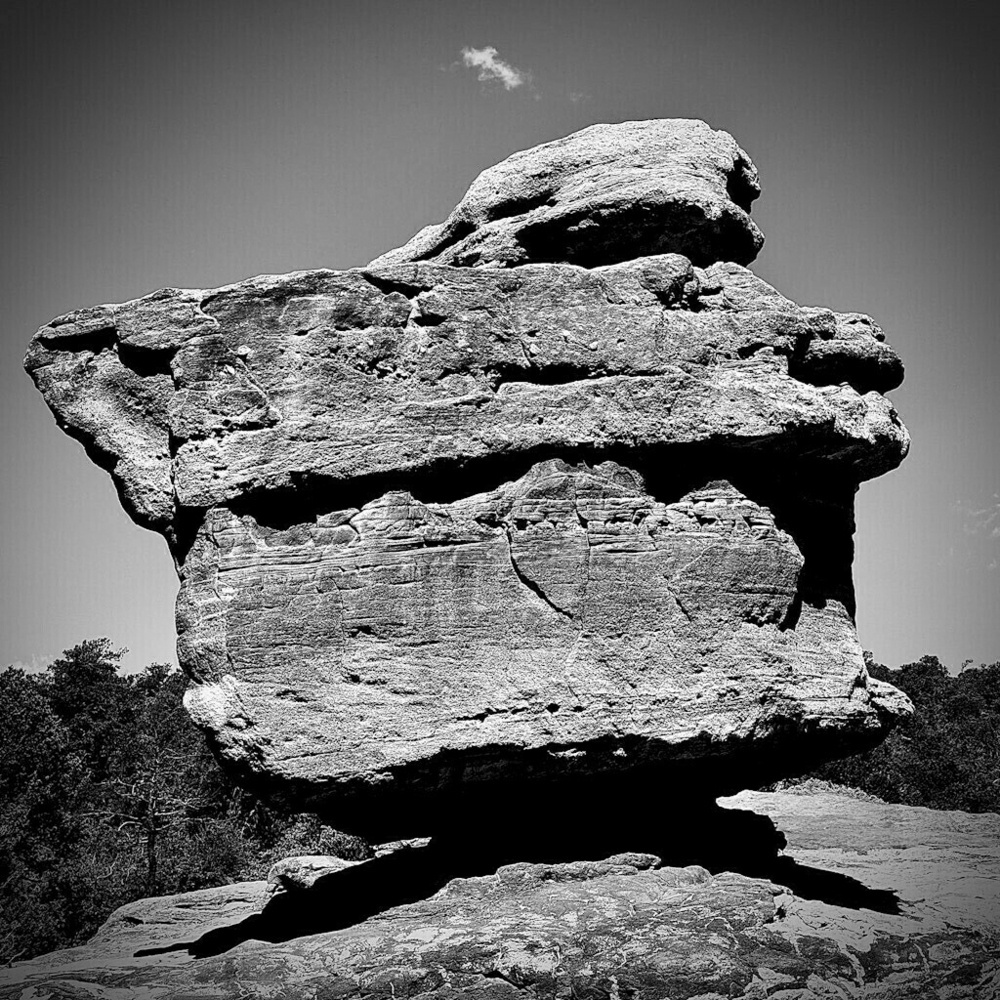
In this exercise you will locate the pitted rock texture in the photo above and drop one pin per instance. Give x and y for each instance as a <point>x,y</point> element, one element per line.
<point>443,529</point>
<point>870,902</point>
<point>602,195</point>
<point>568,617</point>
<point>302,872</point>
<point>198,398</point>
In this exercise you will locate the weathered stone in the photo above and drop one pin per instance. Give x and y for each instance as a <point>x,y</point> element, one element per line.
<point>196,398</point>
<point>443,530</point>
<point>391,846</point>
<point>302,872</point>
<point>604,194</point>
<point>162,921</point>
<point>568,622</point>
<point>870,902</point>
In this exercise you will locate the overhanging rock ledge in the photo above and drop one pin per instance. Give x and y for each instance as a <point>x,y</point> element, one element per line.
<point>558,494</point>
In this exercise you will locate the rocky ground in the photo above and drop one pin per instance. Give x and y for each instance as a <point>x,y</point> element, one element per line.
<point>866,900</point>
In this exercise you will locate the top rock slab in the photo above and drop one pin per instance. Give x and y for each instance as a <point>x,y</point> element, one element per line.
<point>606,194</point>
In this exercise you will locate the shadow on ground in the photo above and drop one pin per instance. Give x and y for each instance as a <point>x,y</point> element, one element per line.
<point>717,839</point>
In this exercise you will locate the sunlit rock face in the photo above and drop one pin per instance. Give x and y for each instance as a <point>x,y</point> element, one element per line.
<point>605,194</point>
<point>447,530</point>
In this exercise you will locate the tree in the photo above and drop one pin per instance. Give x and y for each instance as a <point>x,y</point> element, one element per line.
<point>171,788</point>
<point>947,756</point>
<point>41,833</point>
<point>108,792</point>
<point>96,704</point>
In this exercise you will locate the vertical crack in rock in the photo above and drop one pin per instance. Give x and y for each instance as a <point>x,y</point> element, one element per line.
<point>680,606</point>
<point>529,583</point>
<point>585,525</point>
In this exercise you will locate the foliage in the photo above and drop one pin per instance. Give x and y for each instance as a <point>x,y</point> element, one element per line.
<point>108,793</point>
<point>947,755</point>
<point>40,828</point>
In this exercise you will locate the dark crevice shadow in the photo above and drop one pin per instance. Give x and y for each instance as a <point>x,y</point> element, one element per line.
<point>830,887</point>
<point>717,839</point>
<point>667,472</point>
<point>341,899</point>
<point>447,238</point>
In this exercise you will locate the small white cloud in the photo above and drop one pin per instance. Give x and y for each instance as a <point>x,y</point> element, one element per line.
<point>491,67</point>
<point>576,96</point>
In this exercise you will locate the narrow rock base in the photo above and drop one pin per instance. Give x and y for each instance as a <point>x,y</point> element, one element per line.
<point>867,900</point>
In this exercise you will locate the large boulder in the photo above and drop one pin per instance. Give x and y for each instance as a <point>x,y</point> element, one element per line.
<point>602,195</point>
<point>566,623</point>
<point>346,381</point>
<point>444,531</point>
<point>868,902</point>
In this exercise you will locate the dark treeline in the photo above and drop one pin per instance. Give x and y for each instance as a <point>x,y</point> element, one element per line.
<point>947,755</point>
<point>108,793</point>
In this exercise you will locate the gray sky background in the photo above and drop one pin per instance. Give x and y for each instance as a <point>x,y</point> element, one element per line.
<point>195,144</point>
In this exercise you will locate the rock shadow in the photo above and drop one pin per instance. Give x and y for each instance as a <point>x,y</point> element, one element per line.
<point>829,887</point>
<point>718,839</point>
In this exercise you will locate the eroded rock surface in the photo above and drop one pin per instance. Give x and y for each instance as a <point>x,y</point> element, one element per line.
<point>447,530</point>
<point>602,195</point>
<point>868,901</point>
<point>351,379</point>
<point>302,872</point>
<point>585,627</point>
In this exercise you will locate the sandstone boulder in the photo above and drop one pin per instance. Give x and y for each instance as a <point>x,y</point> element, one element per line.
<point>448,532</point>
<point>566,623</point>
<point>302,872</point>
<point>605,194</point>
<point>161,921</point>
<point>197,398</point>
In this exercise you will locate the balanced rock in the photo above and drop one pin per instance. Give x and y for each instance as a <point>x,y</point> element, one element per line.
<point>605,194</point>
<point>445,531</point>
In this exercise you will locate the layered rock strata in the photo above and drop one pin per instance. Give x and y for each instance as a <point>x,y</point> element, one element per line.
<point>443,530</point>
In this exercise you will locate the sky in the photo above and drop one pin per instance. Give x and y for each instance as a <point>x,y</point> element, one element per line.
<point>192,144</point>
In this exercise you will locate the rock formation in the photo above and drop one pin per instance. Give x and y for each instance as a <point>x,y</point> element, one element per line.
<point>555,496</point>
<point>869,902</point>
<point>606,194</point>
